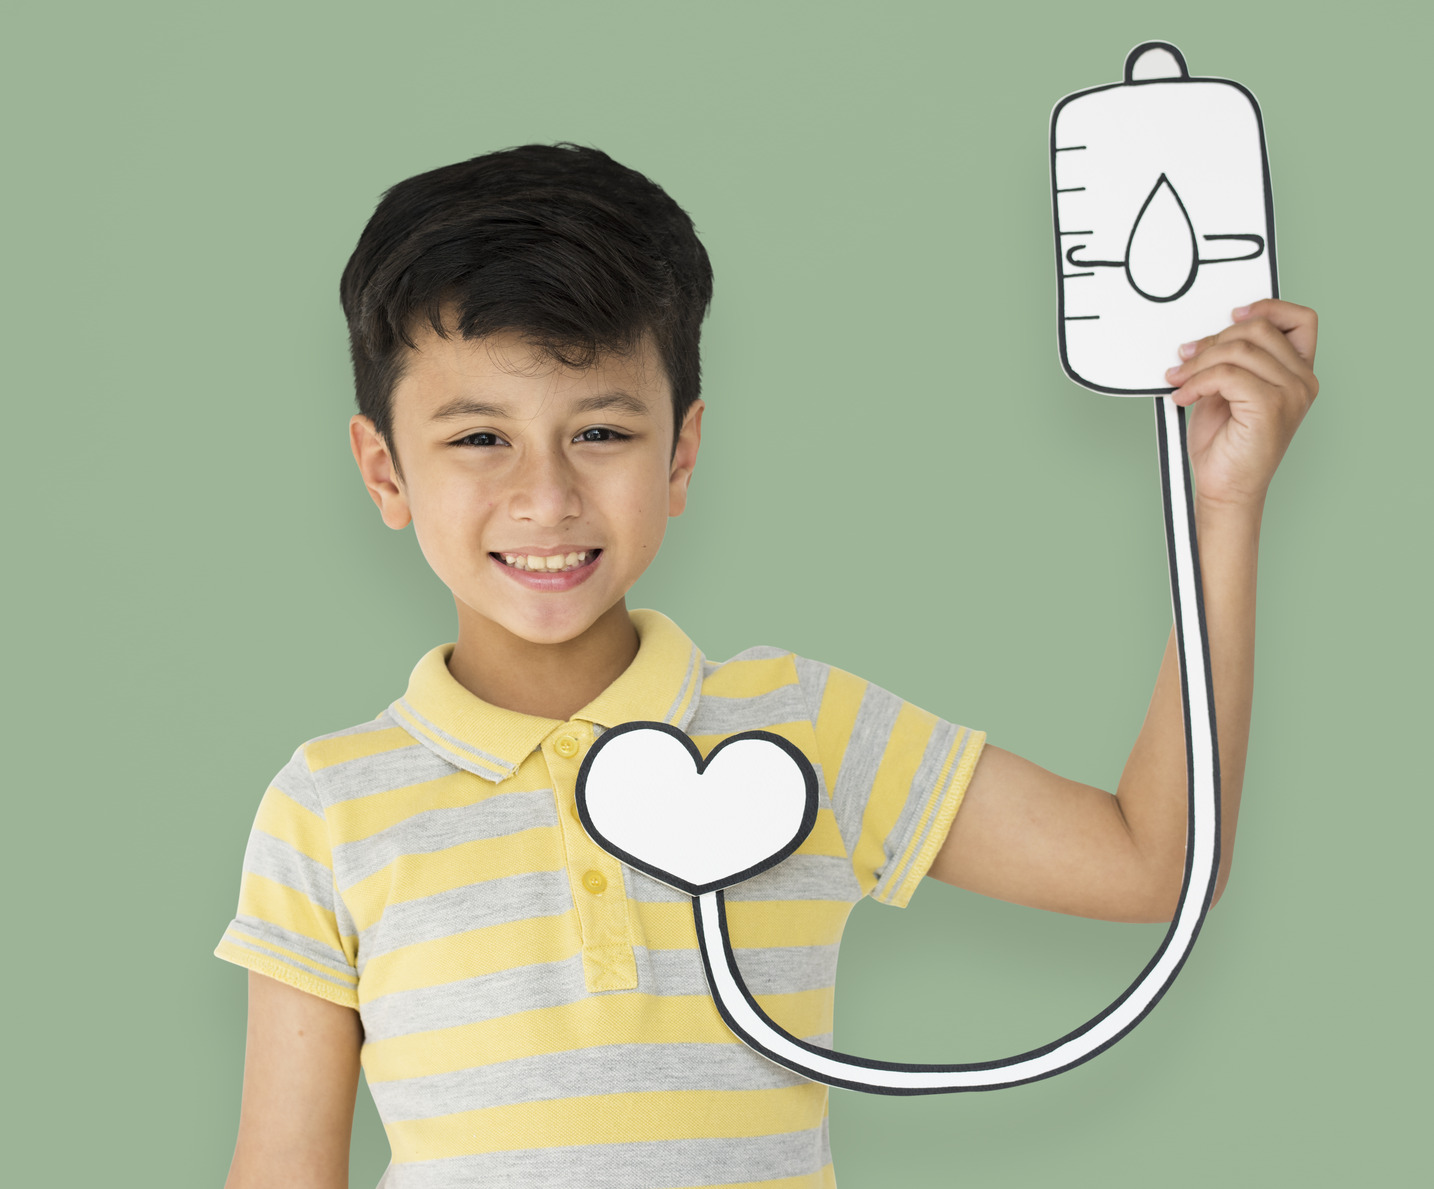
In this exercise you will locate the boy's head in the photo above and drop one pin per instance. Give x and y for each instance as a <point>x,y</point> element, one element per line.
<point>525,343</point>
<point>560,244</point>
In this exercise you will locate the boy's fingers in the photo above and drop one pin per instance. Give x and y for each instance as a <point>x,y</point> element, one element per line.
<point>1242,353</point>
<point>1263,334</point>
<point>1255,345</point>
<point>1299,324</point>
<point>1236,384</point>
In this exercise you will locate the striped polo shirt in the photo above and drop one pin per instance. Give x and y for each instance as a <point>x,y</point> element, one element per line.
<point>535,1013</point>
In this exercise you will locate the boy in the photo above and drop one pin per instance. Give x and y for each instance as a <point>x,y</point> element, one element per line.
<point>418,890</point>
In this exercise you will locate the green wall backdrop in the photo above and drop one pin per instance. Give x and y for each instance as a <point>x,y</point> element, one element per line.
<point>197,582</point>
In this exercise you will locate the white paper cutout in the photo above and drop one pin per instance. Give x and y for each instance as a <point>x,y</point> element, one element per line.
<point>1163,219</point>
<point>646,795</point>
<point>647,791</point>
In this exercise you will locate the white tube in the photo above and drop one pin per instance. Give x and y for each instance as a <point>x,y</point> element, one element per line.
<point>746,1018</point>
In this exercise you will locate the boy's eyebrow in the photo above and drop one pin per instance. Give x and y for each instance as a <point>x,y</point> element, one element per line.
<point>463,406</point>
<point>621,401</point>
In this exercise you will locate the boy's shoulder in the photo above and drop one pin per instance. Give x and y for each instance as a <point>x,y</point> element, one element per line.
<point>349,763</point>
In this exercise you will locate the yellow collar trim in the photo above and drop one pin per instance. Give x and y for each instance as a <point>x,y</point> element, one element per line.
<point>661,684</point>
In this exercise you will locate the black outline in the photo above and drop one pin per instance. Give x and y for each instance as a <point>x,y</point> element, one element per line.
<point>1127,75</point>
<point>1127,81</point>
<point>1173,550</point>
<point>1257,240</point>
<point>1162,180</point>
<point>809,811</point>
<point>1196,260</point>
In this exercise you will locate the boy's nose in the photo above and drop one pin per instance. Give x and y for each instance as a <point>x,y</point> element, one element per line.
<point>546,491</point>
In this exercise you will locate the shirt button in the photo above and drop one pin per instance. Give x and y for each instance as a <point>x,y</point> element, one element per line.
<point>595,882</point>
<point>566,746</point>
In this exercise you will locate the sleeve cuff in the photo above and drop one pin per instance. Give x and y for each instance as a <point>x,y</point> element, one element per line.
<point>934,823</point>
<point>265,958</point>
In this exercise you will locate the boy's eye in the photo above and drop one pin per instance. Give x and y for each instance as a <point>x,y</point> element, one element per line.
<point>601,433</point>
<point>481,438</point>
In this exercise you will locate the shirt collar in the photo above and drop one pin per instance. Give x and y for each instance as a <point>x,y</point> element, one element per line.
<point>662,684</point>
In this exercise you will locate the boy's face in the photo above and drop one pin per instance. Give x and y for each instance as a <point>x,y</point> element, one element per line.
<point>538,493</point>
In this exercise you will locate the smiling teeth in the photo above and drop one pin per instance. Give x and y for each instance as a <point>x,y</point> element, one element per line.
<point>556,564</point>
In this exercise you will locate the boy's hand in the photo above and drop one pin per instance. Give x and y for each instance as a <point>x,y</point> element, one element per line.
<point>1251,385</point>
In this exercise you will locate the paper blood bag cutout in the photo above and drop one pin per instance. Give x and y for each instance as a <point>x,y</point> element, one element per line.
<point>1163,218</point>
<point>1163,226</point>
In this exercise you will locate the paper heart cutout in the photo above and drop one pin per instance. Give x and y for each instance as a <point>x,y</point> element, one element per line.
<point>646,796</point>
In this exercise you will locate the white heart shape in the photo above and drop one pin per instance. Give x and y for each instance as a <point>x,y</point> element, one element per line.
<point>646,796</point>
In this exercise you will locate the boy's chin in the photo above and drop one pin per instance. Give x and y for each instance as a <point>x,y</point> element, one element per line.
<point>552,630</point>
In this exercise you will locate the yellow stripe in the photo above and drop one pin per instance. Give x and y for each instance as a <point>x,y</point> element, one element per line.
<point>349,978</point>
<point>281,817</point>
<point>946,809</point>
<point>894,777</point>
<point>632,1018</point>
<point>610,1119</point>
<point>273,968</point>
<point>363,817</point>
<point>412,877</point>
<point>261,897</point>
<point>823,1178</point>
<point>324,753</point>
<point>841,700</point>
<point>825,838</point>
<point>751,679</point>
<point>472,953</point>
<point>753,923</point>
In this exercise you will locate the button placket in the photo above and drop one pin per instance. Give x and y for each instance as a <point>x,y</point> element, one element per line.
<point>609,963</point>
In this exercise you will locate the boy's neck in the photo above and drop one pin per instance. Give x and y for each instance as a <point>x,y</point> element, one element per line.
<point>546,680</point>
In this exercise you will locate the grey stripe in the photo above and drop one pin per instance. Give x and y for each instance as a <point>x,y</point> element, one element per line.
<point>798,877</point>
<point>694,666</point>
<point>777,971</point>
<point>382,773</point>
<point>579,1073</point>
<point>923,788</point>
<point>869,736</point>
<point>277,860</point>
<point>438,829</point>
<point>314,951</point>
<point>720,716</point>
<point>486,765</point>
<point>802,877</point>
<point>473,906</point>
<point>472,1000</point>
<point>785,970</point>
<point>812,677</point>
<point>656,1164</point>
<point>296,782</point>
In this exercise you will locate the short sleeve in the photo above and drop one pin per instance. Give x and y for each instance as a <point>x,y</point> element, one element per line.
<point>896,775</point>
<point>287,926</point>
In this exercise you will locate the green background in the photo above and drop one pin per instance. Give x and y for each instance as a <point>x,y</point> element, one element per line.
<point>197,581</point>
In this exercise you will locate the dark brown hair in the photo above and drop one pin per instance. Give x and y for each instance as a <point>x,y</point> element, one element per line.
<point>560,243</point>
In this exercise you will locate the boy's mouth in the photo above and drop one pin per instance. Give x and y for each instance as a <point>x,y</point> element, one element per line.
<point>556,563</point>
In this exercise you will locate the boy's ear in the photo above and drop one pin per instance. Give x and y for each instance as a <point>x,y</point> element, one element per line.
<point>684,459</point>
<point>375,464</point>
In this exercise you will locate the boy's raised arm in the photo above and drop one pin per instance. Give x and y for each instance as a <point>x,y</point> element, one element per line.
<point>1029,836</point>
<point>301,1069</point>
